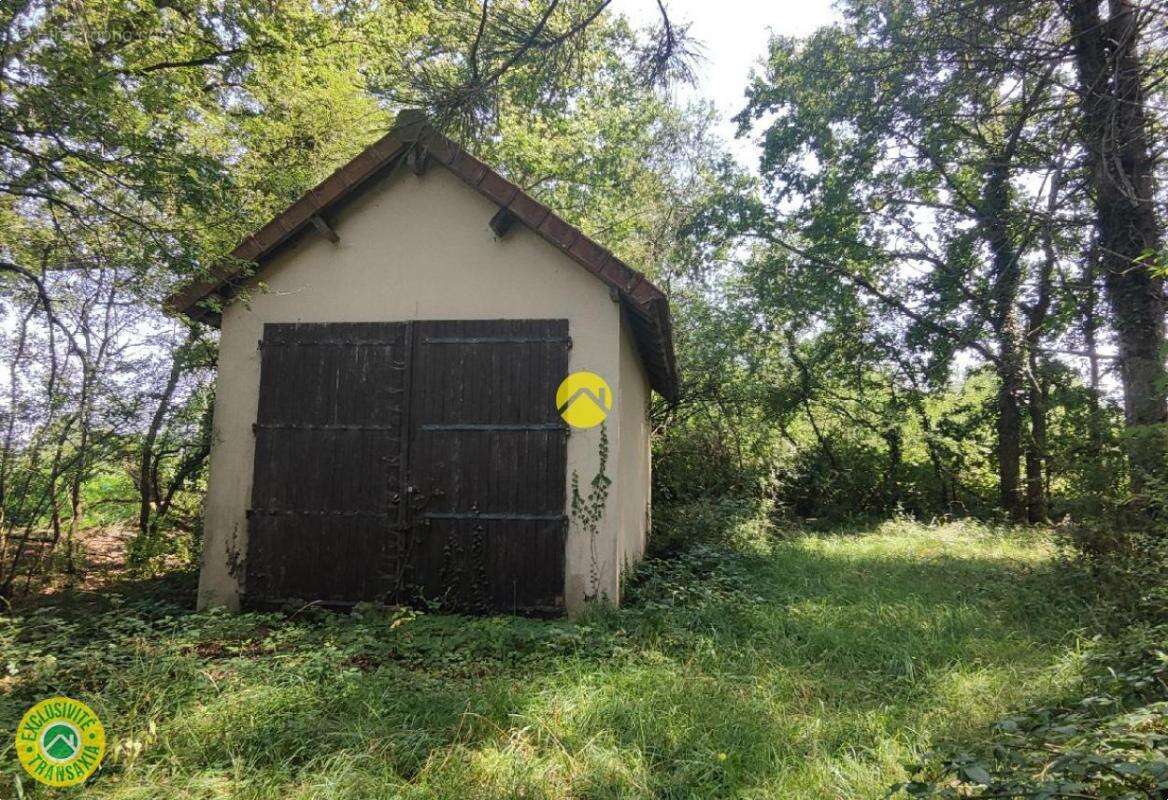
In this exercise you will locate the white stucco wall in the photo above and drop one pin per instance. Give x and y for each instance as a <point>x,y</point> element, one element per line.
<point>420,248</point>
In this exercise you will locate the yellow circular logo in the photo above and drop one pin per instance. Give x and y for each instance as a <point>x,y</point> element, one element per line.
<point>60,741</point>
<point>584,399</point>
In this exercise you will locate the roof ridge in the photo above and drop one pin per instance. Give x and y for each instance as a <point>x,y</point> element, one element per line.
<point>411,129</point>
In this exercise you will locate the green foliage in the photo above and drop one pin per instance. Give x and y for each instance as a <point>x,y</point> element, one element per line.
<point>854,443</point>
<point>1109,737</point>
<point>109,498</point>
<point>588,510</point>
<point>625,163</point>
<point>811,665</point>
<point>735,522</point>
<point>1110,742</point>
<point>900,315</point>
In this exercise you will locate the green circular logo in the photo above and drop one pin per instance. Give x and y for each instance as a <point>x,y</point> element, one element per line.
<point>60,741</point>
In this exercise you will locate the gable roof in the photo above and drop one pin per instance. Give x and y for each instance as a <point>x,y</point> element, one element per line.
<point>414,138</point>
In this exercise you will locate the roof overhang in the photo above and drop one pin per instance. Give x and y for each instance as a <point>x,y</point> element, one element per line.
<point>413,137</point>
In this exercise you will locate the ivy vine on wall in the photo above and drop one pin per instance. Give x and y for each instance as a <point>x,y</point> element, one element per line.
<point>588,511</point>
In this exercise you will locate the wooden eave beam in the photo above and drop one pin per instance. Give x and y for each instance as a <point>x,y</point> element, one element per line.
<point>417,159</point>
<point>502,222</point>
<point>324,228</point>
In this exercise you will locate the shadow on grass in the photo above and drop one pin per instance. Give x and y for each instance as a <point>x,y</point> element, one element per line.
<point>815,669</point>
<point>176,589</point>
<point>829,669</point>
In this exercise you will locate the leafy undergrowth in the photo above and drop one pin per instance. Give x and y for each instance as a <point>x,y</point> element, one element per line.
<point>1109,739</point>
<point>1110,743</point>
<point>809,666</point>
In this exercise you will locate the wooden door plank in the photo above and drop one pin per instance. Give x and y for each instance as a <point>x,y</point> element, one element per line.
<point>488,452</point>
<point>327,460</point>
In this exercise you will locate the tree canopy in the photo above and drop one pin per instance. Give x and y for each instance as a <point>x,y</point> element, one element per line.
<point>940,292</point>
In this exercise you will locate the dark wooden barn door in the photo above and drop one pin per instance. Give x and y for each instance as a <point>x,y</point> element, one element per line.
<point>487,455</point>
<point>325,522</point>
<point>398,460</point>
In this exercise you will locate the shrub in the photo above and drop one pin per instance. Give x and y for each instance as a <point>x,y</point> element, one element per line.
<point>728,521</point>
<point>1130,572</point>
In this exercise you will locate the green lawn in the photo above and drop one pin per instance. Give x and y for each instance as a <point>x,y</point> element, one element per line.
<point>813,666</point>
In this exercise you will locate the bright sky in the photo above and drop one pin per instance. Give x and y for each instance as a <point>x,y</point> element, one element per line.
<point>734,35</point>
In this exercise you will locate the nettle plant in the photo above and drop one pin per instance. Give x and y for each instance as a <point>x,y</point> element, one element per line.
<point>588,510</point>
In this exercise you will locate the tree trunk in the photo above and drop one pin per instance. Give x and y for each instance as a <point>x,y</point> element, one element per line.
<point>1091,344</point>
<point>1036,316</point>
<point>808,391</point>
<point>1010,449</point>
<point>1008,331</point>
<point>147,487</point>
<point>893,436</point>
<point>1036,510</point>
<point>1114,131</point>
<point>948,493</point>
<point>6,449</point>
<point>78,477</point>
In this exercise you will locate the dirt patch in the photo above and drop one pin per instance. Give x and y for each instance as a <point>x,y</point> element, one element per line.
<point>99,571</point>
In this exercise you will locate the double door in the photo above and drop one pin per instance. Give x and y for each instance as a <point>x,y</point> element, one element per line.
<point>403,461</point>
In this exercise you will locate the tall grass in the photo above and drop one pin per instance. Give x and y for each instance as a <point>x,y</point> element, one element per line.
<point>796,666</point>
